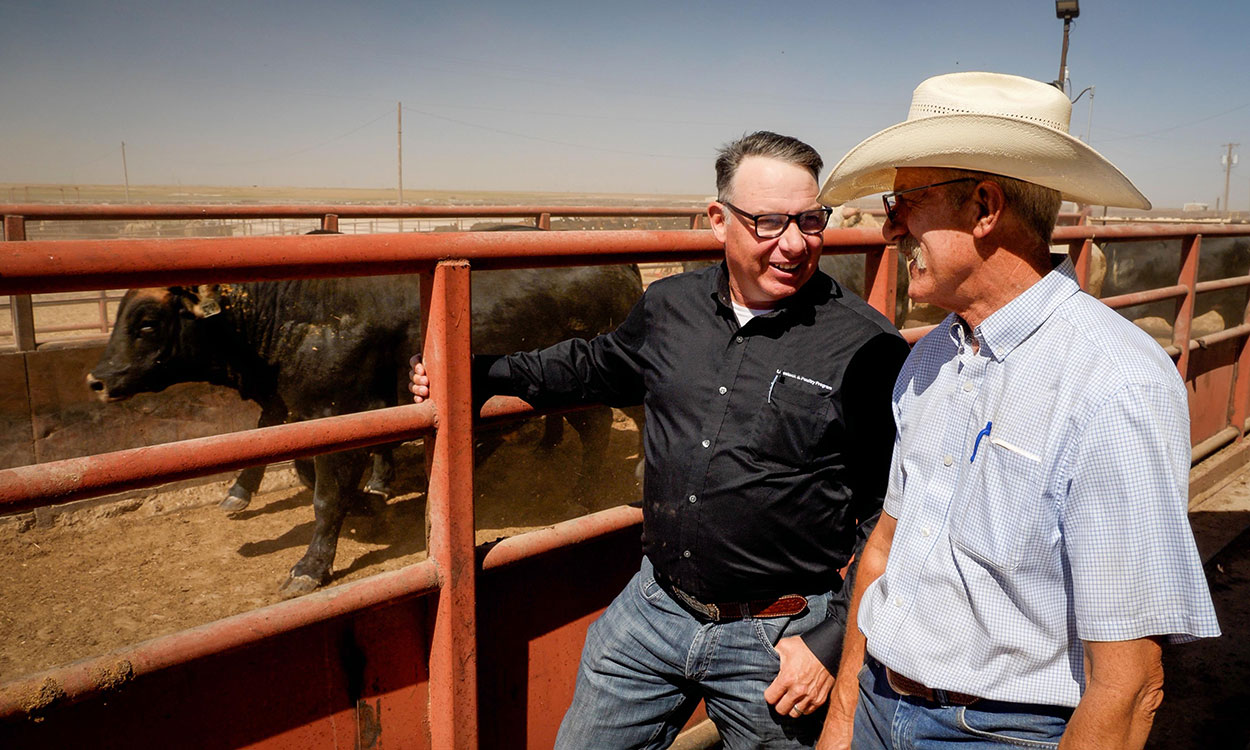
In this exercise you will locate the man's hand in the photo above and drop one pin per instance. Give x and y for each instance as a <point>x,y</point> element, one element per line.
<point>418,381</point>
<point>802,683</point>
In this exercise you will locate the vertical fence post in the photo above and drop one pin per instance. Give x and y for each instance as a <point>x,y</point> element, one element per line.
<point>103,304</point>
<point>20,305</point>
<point>694,220</point>
<point>881,281</point>
<point>1241,380</point>
<point>1190,247</point>
<point>330,222</point>
<point>1079,251</point>
<point>453,651</point>
<point>543,221</point>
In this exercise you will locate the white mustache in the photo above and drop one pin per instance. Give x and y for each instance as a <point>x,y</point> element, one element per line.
<point>910,248</point>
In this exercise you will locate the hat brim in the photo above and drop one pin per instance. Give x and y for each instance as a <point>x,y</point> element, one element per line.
<point>984,143</point>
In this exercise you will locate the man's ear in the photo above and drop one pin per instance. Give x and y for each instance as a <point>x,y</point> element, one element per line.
<point>717,218</point>
<point>990,202</point>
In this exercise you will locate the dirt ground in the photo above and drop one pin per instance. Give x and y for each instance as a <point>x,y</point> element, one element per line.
<point>1207,682</point>
<point>116,574</point>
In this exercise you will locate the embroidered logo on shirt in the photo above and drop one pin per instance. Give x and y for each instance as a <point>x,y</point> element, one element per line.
<point>802,378</point>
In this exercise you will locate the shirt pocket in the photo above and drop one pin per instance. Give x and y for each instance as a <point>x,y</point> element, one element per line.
<point>997,513</point>
<point>790,422</point>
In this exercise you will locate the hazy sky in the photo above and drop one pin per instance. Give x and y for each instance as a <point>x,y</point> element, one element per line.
<point>581,96</point>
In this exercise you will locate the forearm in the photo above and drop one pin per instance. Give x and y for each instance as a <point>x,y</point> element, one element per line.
<point>1120,700</point>
<point>854,645</point>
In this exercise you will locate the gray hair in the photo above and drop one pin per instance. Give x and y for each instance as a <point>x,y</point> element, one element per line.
<point>768,145</point>
<point>1037,206</point>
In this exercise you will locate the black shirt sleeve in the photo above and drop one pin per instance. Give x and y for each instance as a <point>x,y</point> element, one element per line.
<point>606,369</point>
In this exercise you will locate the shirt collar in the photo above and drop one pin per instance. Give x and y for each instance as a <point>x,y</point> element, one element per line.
<point>1014,322</point>
<point>817,290</point>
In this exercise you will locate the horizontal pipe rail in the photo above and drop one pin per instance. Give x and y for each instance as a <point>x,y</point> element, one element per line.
<point>1216,285</point>
<point>183,212</point>
<point>26,487</point>
<point>79,265</point>
<point>65,685</point>
<point>1141,231</point>
<point>569,533</point>
<point>1149,295</point>
<point>1211,339</point>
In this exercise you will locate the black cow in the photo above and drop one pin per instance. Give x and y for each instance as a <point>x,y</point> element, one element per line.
<point>315,348</point>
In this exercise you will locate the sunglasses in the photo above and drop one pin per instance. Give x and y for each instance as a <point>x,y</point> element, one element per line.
<point>768,226</point>
<point>891,199</point>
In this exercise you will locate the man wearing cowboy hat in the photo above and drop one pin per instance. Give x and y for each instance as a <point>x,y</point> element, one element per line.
<point>1035,550</point>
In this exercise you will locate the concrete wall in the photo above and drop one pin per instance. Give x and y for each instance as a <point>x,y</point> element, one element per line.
<point>47,413</point>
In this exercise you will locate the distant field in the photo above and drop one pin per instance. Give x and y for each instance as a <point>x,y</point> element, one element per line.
<point>20,193</point>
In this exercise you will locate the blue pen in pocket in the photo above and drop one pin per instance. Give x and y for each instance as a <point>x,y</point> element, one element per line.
<point>983,433</point>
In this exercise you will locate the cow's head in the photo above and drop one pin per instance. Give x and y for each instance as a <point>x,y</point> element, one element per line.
<point>155,341</point>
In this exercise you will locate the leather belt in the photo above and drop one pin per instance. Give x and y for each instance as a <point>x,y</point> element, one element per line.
<point>783,606</point>
<point>907,686</point>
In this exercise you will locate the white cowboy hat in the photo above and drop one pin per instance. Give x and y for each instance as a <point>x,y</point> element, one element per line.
<point>986,122</point>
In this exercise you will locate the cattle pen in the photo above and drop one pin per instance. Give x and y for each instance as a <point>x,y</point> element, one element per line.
<point>475,646</point>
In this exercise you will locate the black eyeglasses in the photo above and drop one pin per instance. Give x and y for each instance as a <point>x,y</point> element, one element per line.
<point>891,199</point>
<point>768,226</point>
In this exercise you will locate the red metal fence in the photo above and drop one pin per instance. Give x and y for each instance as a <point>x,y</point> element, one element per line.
<point>21,307</point>
<point>473,646</point>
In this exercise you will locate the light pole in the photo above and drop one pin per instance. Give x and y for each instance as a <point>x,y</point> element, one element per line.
<point>1090,121</point>
<point>1067,10</point>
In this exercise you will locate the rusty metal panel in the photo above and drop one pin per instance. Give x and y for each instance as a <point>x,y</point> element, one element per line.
<point>17,447</point>
<point>533,620</point>
<point>1210,382</point>
<point>351,682</point>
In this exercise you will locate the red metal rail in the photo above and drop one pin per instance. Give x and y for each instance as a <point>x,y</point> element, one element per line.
<point>445,592</point>
<point>25,332</point>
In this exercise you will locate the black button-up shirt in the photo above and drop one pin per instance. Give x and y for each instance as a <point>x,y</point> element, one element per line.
<point>767,445</point>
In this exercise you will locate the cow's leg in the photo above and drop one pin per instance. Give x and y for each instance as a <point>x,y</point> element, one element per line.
<point>307,472</point>
<point>240,494</point>
<point>337,477</point>
<point>594,426</point>
<point>248,481</point>
<point>553,432</point>
<point>382,473</point>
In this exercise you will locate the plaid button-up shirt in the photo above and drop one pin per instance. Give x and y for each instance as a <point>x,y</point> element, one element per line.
<point>1040,485</point>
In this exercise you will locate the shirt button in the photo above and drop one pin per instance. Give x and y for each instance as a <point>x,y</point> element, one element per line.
<point>692,498</point>
<point>924,531</point>
<point>738,339</point>
<point>723,390</point>
<point>706,443</point>
<point>948,460</point>
<point>898,602</point>
<point>686,553</point>
<point>968,386</point>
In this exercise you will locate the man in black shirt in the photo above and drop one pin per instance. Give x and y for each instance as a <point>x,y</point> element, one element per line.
<point>768,437</point>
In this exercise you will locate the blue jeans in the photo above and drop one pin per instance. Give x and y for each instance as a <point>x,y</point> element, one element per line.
<point>885,720</point>
<point>647,662</point>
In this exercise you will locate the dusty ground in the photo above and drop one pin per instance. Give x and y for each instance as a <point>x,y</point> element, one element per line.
<point>118,574</point>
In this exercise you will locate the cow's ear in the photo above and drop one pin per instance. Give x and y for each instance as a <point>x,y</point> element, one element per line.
<point>201,301</point>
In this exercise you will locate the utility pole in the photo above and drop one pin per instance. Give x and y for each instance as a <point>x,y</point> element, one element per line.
<point>125,172</point>
<point>1229,161</point>
<point>399,119</point>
